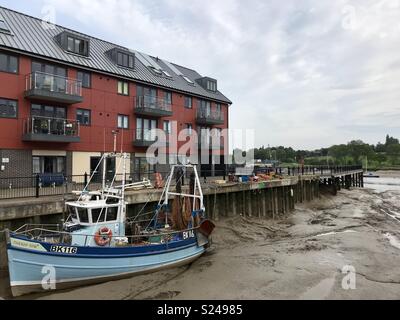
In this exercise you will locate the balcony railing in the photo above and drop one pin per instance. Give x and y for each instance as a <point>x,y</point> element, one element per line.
<point>144,138</point>
<point>54,88</point>
<point>209,117</point>
<point>152,106</point>
<point>43,129</point>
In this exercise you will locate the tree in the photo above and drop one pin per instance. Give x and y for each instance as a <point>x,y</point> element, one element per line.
<point>391,141</point>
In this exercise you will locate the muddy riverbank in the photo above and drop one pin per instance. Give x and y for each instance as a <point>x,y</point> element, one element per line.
<point>299,257</point>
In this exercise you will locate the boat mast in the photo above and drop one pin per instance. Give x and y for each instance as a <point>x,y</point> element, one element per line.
<point>105,156</point>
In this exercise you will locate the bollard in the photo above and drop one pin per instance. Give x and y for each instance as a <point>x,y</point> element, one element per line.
<point>37,182</point>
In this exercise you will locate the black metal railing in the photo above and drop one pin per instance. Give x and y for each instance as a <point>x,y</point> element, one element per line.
<point>41,185</point>
<point>309,170</point>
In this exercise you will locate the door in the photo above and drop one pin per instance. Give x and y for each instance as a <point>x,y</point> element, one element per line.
<point>110,170</point>
<point>94,162</point>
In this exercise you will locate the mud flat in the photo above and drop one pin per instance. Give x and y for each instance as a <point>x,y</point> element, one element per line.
<point>298,257</point>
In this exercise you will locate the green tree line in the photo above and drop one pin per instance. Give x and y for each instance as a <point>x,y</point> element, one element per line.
<point>353,153</point>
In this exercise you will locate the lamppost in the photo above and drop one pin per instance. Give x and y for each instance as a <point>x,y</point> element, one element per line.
<point>115,133</point>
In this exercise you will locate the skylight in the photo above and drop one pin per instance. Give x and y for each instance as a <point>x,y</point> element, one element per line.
<point>167,74</point>
<point>155,70</point>
<point>187,79</point>
<point>3,25</point>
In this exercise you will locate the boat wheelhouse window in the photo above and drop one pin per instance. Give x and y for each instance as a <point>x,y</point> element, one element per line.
<point>112,200</point>
<point>72,212</point>
<point>112,213</point>
<point>98,215</point>
<point>83,215</point>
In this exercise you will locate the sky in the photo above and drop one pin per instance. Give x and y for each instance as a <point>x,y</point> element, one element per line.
<point>306,74</point>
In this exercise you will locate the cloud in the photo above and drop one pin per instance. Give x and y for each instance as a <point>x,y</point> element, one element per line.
<point>304,74</point>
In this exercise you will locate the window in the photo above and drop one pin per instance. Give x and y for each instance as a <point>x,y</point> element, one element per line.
<point>168,97</point>
<point>144,129</point>
<point>85,78</point>
<point>166,73</point>
<point>188,102</point>
<point>211,85</point>
<point>156,71</point>
<point>48,165</point>
<point>38,110</point>
<point>151,93</point>
<point>167,127</point>
<point>112,213</point>
<point>125,60</point>
<point>83,116</point>
<point>72,212</point>
<point>78,46</point>
<point>3,25</point>
<point>83,215</point>
<point>218,109</point>
<point>204,108</point>
<point>8,63</point>
<point>142,169</point>
<point>146,97</point>
<point>188,80</point>
<point>189,127</point>
<point>98,215</point>
<point>8,108</point>
<point>49,69</point>
<point>123,121</point>
<point>123,88</point>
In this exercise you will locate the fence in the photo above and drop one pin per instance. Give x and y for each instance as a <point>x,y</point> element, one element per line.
<point>59,184</point>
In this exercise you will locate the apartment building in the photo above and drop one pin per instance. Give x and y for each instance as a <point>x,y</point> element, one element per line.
<point>66,98</point>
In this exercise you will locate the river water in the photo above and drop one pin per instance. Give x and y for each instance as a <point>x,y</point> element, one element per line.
<point>384,183</point>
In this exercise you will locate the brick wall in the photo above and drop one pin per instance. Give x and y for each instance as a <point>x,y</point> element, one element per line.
<point>20,163</point>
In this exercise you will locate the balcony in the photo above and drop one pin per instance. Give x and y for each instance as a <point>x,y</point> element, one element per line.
<point>205,117</point>
<point>42,129</point>
<point>50,87</point>
<point>144,138</point>
<point>152,106</point>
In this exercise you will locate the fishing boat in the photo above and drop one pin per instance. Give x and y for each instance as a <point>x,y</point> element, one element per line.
<point>98,243</point>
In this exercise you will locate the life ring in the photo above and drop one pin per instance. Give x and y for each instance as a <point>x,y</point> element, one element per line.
<point>103,236</point>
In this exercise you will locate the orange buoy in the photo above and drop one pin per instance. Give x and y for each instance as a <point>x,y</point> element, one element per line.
<point>103,236</point>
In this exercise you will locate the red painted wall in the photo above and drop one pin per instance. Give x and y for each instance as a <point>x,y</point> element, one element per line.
<point>105,105</point>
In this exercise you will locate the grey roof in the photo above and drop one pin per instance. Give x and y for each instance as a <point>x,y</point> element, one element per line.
<point>29,36</point>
